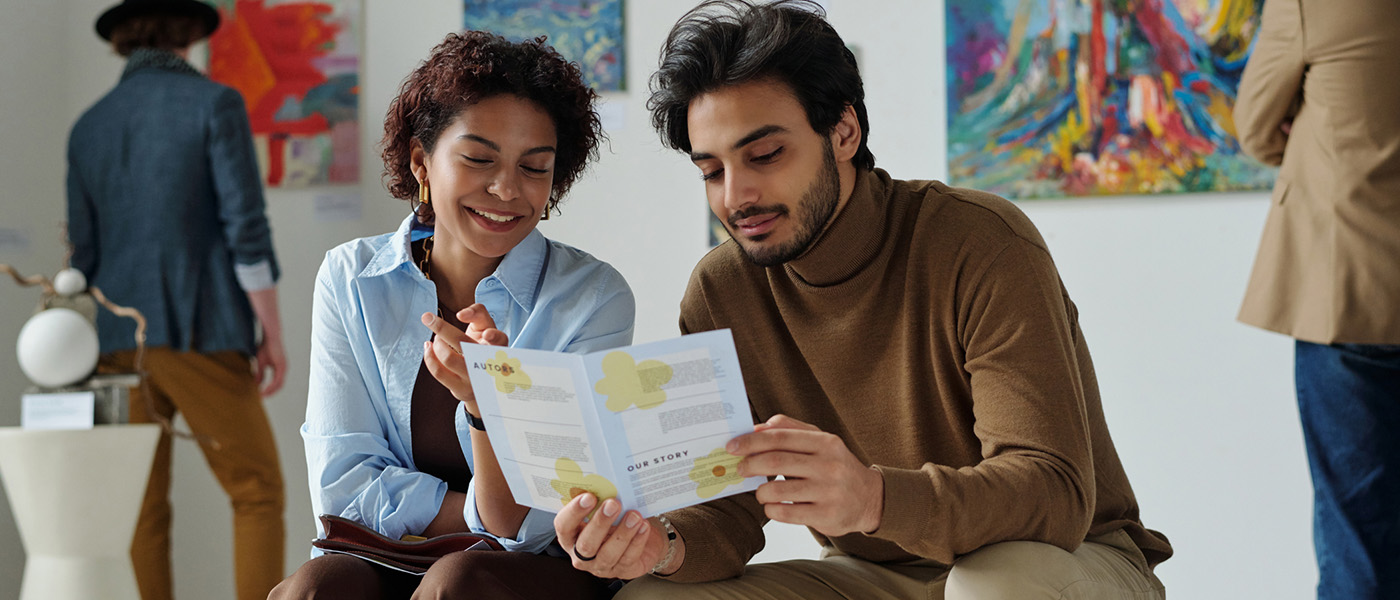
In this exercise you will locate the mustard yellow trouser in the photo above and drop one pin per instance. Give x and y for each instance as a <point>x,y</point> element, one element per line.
<point>218,396</point>
<point>1108,568</point>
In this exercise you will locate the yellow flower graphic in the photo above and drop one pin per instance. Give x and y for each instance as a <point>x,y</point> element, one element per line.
<point>572,482</point>
<point>714,472</point>
<point>626,382</point>
<point>508,373</point>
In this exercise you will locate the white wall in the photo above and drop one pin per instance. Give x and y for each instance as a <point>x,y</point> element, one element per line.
<point>1200,406</point>
<point>28,150</point>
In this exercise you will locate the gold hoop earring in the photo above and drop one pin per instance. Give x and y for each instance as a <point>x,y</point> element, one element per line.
<point>423,193</point>
<point>547,206</point>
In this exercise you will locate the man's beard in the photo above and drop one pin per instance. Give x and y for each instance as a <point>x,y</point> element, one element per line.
<point>814,211</point>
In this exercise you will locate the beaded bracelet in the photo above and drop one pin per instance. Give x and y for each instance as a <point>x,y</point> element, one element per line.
<point>670,545</point>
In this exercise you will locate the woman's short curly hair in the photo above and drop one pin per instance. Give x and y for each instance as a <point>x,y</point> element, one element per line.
<point>469,67</point>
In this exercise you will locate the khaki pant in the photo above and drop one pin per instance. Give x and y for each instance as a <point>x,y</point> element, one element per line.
<point>1110,567</point>
<point>219,399</point>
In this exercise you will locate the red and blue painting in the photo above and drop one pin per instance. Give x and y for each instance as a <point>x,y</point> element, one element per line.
<point>296,63</point>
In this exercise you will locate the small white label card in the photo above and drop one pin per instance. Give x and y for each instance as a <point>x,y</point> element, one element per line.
<point>13,242</point>
<point>62,410</point>
<point>339,206</point>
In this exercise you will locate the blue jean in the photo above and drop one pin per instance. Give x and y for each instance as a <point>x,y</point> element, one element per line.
<point>1349,402</point>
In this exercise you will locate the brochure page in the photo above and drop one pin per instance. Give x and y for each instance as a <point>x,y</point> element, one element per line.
<point>646,424</point>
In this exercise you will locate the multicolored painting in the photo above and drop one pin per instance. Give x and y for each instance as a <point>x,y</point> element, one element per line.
<point>1080,97</point>
<point>588,32</point>
<point>297,65</point>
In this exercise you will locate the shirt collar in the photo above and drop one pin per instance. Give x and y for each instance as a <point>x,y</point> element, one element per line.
<point>397,252</point>
<point>523,268</point>
<point>142,58</point>
<point>520,271</point>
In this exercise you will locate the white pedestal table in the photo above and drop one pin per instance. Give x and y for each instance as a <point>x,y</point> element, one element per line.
<point>76,495</point>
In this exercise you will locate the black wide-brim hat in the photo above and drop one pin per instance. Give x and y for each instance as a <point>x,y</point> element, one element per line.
<point>140,8</point>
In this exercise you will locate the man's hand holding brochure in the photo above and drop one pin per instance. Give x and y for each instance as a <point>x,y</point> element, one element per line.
<point>646,424</point>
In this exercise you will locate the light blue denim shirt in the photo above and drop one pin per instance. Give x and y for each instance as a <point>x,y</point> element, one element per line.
<point>367,346</point>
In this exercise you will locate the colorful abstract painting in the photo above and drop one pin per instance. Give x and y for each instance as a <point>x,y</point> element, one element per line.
<point>1081,97</point>
<point>588,32</point>
<point>297,65</point>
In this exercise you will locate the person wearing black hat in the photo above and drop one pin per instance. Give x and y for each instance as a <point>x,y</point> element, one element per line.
<point>166,214</point>
<point>173,13</point>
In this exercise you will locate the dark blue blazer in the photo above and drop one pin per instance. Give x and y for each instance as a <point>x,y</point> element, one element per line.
<point>163,199</point>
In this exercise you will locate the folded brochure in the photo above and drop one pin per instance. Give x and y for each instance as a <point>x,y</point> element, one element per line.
<point>646,424</point>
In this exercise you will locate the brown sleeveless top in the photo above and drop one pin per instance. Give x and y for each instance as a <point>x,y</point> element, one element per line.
<point>433,425</point>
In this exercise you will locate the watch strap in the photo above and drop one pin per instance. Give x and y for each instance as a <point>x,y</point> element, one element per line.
<point>474,420</point>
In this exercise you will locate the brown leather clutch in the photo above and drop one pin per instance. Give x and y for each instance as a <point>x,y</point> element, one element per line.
<point>344,536</point>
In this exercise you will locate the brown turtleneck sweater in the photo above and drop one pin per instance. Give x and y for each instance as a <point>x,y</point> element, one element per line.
<point>929,329</point>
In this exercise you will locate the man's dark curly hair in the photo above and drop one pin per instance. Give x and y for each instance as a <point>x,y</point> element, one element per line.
<point>469,67</point>
<point>729,42</point>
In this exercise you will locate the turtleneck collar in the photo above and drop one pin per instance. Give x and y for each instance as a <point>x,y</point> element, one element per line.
<point>855,236</point>
<point>142,58</point>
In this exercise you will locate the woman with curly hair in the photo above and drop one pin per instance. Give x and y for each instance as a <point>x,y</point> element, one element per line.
<point>484,138</point>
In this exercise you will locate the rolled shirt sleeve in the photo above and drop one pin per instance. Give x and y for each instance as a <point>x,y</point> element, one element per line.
<point>255,277</point>
<point>352,469</point>
<point>238,187</point>
<point>534,535</point>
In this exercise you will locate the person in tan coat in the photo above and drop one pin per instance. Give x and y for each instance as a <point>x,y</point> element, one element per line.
<point>1320,97</point>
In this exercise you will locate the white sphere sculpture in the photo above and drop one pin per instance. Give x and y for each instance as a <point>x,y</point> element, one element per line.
<point>69,281</point>
<point>57,347</point>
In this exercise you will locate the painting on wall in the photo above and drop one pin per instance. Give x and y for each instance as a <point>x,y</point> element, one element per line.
<point>1084,97</point>
<point>588,32</point>
<point>296,63</point>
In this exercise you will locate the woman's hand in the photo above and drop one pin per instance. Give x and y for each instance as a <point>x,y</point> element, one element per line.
<point>625,550</point>
<point>444,360</point>
<point>443,356</point>
<point>481,328</point>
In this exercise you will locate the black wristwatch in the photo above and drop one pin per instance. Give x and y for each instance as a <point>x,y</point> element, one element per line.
<point>474,420</point>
